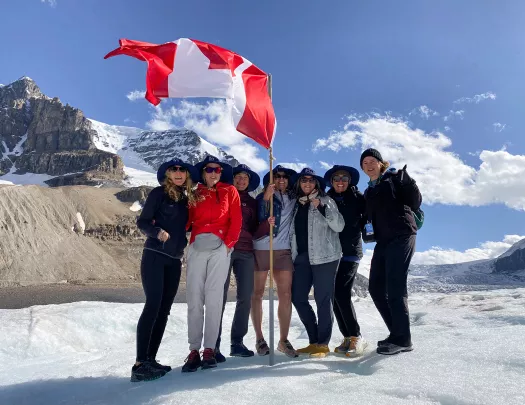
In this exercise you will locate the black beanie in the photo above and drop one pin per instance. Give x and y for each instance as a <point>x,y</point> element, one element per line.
<point>370,152</point>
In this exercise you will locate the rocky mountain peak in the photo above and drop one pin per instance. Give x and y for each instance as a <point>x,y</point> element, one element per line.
<point>20,90</point>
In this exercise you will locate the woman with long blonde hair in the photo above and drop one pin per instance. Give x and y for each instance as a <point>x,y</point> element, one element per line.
<point>163,220</point>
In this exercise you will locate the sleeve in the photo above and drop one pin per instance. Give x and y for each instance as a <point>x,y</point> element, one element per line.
<point>410,193</point>
<point>146,220</point>
<point>332,215</point>
<point>235,213</point>
<point>263,209</point>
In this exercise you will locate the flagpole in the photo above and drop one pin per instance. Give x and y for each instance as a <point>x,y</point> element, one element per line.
<point>270,297</point>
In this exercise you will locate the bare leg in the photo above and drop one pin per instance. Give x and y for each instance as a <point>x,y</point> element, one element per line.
<point>283,280</point>
<point>257,297</point>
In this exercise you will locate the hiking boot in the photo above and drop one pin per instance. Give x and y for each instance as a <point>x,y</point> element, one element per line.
<point>357,346</point>
<point>261,347</point>
<point>208,359</point>
<point>312,347</point>
<point>156,364</point>
<point>193,362</point>
<point>343,347</point>
<point>320,351</point>
<point>146,372</point>
<point>286,347</point>
<point>219,357</point>
<point>391,348</point>
<point>239,350</point>
<point>383,342</point>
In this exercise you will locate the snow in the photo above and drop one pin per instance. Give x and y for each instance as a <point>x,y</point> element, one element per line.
<point>27,178</point>
<point>469,349</point>
<point>136,206</point>
<point>517,246</point>
<point>6,182</point>
<point>81,223</point>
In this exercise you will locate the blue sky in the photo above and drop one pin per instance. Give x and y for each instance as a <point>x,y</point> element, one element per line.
<point>379,61</point>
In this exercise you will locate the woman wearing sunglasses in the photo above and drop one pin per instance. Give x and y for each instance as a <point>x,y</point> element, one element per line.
<point>316,251</point>
<point>215,223</point>
<point>351,205</point>
<point>283,204</point>
<point>391,198</point>
<point>163,220</point>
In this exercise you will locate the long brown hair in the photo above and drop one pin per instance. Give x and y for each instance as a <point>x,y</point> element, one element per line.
<point>177,193</point>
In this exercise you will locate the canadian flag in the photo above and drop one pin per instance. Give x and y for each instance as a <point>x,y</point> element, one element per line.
<point>191,68</point>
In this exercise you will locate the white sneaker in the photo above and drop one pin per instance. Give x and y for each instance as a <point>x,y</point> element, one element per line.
<point>357,346</point>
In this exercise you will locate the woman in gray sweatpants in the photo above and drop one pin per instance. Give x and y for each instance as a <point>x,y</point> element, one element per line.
<point>215,223</point>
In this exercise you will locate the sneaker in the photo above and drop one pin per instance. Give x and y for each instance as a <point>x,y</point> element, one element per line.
<point>320,351</point>
<point>146,372</point>
<point>390,348</point>
<point>308,349</point>
<point>343,347</point>
<point>156,364</point>
<point>208,359</point>
<point>286,347</point>
<point>357,346</point>
<point>383,342</point>
<point>193,362</point>
<point>261,347</point>
<point>239,350</point>
<point>219,357</point>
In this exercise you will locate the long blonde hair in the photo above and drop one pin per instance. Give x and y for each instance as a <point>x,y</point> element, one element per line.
<point>384,165</point>
<point>177,193</point>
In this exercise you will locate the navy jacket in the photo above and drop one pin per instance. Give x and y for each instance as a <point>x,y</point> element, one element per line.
<point>351,205</point>
<point>263,213</point>
<point>389,204</point>
<point>161,212</point>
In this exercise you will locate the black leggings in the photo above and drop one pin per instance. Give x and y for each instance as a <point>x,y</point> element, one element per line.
<point>160,280</point>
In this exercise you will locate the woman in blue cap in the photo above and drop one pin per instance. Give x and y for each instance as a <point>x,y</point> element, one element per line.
<point>163,220</point>
<point>245,180</point>
<point>351,205</point>
<point>316,252</point>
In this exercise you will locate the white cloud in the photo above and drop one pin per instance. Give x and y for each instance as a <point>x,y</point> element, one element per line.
<point>297,166</point>
<point>454,114</point>
<point>447,129</point>
<point>424,112</point>
<point>441,175</point>
<point>325,165</point>
<point>213,122</point>
<point>437,255</point>
<point>476,99</point>
<point>499,127</point>
<point>136,95</point>
<point>52,3</point>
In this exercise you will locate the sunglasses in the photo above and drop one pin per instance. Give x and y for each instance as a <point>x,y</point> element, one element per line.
<point>213,169</point>
<point>281,176</point>
<point>344,179</point>
<point>177,169</point>
<point>307,180</point>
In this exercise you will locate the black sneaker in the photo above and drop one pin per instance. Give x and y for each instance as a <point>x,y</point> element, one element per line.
<point>156,364</point>
<point>208,359</point>
<point>219,357</point>
<point>193,362</point>
<point>146,372</point>
<point>390,348</point>
<point>239,350</point>
<point>383,342</point>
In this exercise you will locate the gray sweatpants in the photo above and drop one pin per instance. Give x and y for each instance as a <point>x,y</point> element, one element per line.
<point>205,277</point>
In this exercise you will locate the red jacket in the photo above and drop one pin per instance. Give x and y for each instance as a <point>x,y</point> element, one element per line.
<point>219,213</point>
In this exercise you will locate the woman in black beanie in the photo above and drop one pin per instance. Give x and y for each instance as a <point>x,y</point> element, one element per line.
<point>391,198</point>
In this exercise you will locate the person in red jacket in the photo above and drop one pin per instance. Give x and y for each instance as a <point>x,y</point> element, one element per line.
<point>245,180</point>
<point>215,223</point>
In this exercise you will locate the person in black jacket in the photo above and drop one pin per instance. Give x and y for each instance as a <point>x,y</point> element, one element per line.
<point>163,220</point>
<point>351,204</point>
<point>391,199</point>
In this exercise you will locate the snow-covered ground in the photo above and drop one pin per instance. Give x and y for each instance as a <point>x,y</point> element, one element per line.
<point>469,349</point>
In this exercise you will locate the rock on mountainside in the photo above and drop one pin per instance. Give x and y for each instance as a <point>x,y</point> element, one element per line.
<point>40,135</point>
<point>512,260</point>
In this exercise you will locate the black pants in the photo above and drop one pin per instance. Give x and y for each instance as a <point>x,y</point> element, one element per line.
<point>343,307</point>
<point>388,285</point>
<point>322,278</point>
<point>160,280</point>
<point>243,265</point>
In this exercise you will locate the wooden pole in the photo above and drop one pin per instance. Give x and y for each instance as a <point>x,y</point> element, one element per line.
<point>270,295</point>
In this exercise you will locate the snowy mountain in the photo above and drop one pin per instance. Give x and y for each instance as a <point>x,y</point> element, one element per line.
<point>43,141</point>
<point>512,260</point>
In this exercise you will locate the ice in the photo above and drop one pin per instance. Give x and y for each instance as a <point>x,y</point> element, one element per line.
<point>469,349</point>
<point>136,206</point>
